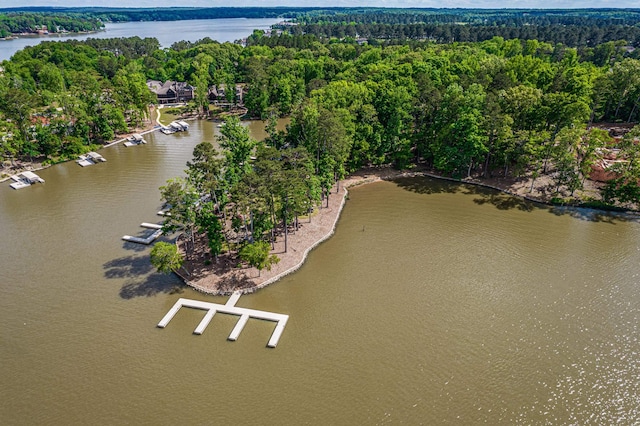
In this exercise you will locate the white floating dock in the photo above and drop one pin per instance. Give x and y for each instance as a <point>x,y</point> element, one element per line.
<point>24,179</point>
<point>19,185</point>
<point>238,328</point>
<point>90,158</point>
<point>229,308</point>
<point>205,322</point>
<point>135,139</point>
<point>151,225</point>
<point>148,240</point>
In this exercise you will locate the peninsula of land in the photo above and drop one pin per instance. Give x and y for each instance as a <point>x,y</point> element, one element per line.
<point>225,277</point>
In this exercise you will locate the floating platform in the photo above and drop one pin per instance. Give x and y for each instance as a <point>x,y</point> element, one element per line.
<point>167,130</point>
<point>229,308</point>
<point>135,139</point>
<point>90,158</point>
<point>24,179</point>
<point>148,240</point>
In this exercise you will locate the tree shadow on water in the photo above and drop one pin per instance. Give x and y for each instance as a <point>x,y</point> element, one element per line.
<point>152,285</point>
<point>427,185</point>
<point>502,201</point>
<point>594,215</point>
<point>141,280</point>
<point>127,267</point>
<point>136,247</point>
<point>505,202</point>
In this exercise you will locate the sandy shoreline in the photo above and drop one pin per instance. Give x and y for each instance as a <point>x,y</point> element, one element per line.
<point>223,277</point>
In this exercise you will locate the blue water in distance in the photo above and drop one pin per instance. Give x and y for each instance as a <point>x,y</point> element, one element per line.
<point>167,32</point>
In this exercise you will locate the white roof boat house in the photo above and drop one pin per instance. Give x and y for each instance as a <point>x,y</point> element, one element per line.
<point>179,126</point>
<point>90,158</point>
<point>135,139</point>
<point>24,179</point>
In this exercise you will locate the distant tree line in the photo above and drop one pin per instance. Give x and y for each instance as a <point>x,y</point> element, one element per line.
<point>164,13</point>
<point>499,17</point>
<point>17,23</point>
<point>573,35</point>
<point>493,108</point>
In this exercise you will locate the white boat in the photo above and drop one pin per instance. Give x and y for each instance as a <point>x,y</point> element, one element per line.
<point>167,130</point>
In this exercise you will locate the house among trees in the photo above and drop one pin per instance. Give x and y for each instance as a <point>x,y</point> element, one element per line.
<point>219,94</point>
<point>171,92</point>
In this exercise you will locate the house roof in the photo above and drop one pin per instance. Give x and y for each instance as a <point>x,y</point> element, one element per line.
<point>160,88</point>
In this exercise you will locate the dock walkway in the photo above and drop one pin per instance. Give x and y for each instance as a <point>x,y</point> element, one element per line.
<point>148,240</point>
<point>229,308</point>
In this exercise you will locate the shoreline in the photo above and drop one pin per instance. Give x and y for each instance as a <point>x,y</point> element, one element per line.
<point>15,36</point>
<point>224,278</point>
<point>36,166</point>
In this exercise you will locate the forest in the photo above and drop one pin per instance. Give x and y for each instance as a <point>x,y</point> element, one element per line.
<point>498,107</point>
<point>574,28</point>
<point>27,23</point>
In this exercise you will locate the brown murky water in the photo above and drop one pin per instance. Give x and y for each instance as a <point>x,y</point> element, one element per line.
<point>455,305</point>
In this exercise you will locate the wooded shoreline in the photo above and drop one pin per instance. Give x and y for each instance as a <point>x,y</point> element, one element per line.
<point>224,277</point>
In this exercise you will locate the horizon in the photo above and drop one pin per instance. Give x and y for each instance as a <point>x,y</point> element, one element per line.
<point>391,4</point>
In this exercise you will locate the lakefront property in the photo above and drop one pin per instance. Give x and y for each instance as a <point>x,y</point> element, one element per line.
<point>171,92</point>
<point>440,205</point>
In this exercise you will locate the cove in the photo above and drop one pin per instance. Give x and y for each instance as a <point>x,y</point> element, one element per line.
<point>457,305</point>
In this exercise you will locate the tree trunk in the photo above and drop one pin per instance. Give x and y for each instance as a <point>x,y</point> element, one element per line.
<point>532,182</point>
<point>226,240</point>
<point>246,228</point>
<point>286,234</point>
<point>633,110</point>
<point>251,222</point>
<point>622,95</point>
<point>486,165</point>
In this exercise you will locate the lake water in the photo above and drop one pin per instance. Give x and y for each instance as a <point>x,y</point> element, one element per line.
<point>167,32</point>
<point>455,305</point>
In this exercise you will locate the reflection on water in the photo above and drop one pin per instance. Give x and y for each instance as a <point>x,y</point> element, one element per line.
<point>454,305</point>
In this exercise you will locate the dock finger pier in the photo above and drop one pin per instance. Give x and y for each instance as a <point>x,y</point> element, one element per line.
<point>229,308</point>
